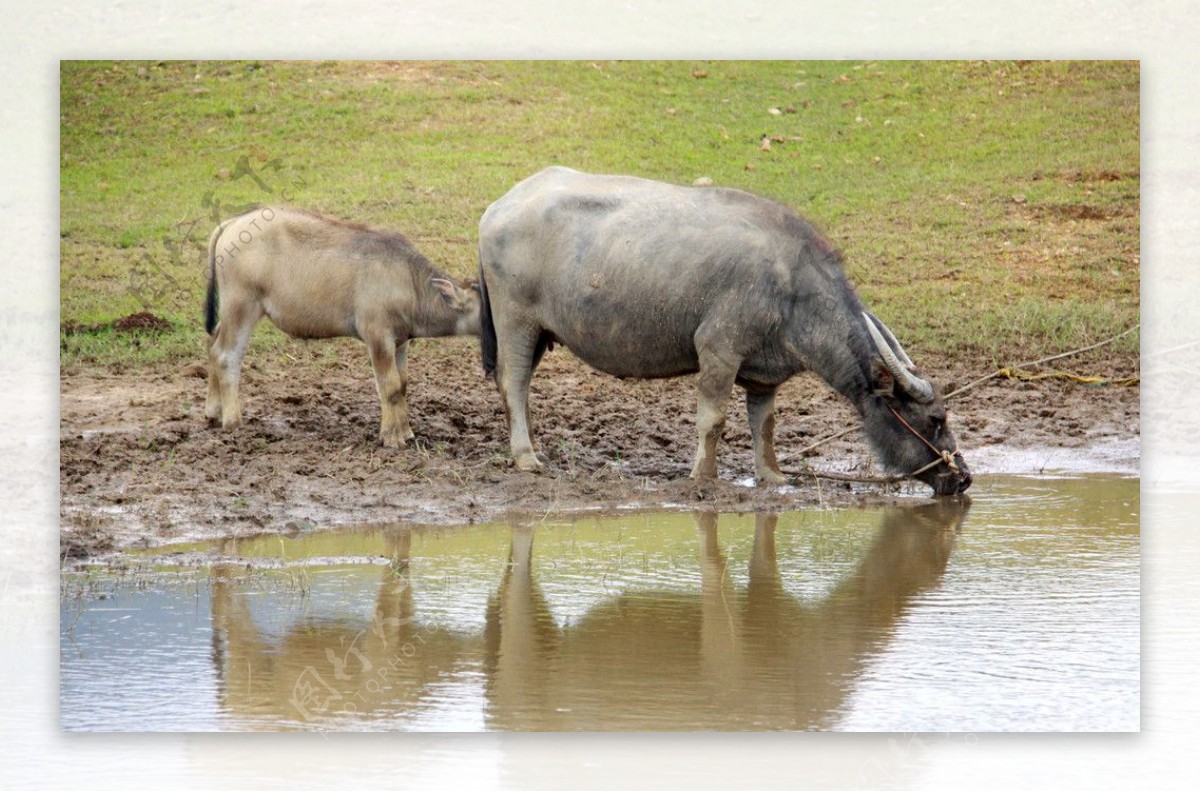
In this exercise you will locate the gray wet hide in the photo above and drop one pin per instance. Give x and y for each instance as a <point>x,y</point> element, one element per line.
<point>645,279</point>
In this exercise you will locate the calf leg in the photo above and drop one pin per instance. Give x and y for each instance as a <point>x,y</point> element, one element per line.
<point>226,349</point>
<point>406,432</point>
<point>392,385</point>
<point>714,385</point>
<point>760,408</point>
<point>212,402</point>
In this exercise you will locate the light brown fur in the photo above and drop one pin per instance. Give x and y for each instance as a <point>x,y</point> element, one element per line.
<point>316,277</point>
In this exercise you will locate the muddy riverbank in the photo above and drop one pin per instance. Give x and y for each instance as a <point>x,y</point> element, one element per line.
<point>139,466</point>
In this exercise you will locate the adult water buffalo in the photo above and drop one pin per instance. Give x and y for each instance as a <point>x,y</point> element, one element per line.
<point>644,279</point>
<point>316,277</point>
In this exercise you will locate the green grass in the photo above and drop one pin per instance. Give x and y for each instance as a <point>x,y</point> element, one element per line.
<point>989,211</point>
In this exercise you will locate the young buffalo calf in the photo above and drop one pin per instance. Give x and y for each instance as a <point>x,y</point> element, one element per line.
<point>316,277</point>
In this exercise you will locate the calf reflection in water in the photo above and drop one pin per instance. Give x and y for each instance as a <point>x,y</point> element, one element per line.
<point>721,659</point>
<point>329,669</point>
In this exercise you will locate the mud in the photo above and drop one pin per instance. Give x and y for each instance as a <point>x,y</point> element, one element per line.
<point>140,467</point>
<point>142,322</point>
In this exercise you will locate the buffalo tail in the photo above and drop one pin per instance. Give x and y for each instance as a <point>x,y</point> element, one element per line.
<point>487,329</point>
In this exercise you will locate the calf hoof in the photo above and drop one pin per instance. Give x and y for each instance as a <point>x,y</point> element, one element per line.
<point>393,441</point>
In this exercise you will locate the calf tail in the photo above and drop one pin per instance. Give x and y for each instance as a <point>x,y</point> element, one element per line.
<point>212,297</point>
<point>487,329</point>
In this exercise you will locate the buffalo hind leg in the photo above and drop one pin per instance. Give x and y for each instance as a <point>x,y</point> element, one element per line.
<point>760,408</point>
<point>226,349</point>
<point>392,385</point>
<point>514,370</point>
<point>714,385</point>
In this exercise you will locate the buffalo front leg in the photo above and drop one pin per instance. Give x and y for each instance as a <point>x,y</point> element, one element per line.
<point>760,408</point>
<point>514,370</point>
<point>714,385</point>
<point>392,384</point>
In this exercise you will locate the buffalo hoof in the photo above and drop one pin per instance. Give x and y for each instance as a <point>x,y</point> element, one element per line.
<point>528,463</point>
<point>771,478</point>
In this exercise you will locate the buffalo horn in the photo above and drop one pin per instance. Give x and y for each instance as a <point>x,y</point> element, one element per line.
<point>913,385</point>
<point>892,342</point>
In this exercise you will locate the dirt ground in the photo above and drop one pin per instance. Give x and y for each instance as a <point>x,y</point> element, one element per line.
<point>140,467</point>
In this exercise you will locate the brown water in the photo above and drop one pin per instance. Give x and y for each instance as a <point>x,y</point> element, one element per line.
<point>1019,612</point>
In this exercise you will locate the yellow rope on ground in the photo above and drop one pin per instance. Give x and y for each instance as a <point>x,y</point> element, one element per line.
<point>1098,344</point>
<point>1010,372</point>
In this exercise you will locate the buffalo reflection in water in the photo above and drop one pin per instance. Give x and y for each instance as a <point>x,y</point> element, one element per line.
<point>721,658</point>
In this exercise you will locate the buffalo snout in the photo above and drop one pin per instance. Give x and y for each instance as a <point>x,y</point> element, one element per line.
<point>949,482</point>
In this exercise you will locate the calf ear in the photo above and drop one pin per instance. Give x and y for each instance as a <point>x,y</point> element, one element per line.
<point>449,291</point>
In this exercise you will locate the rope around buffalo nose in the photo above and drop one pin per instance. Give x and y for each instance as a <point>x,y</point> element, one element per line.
<point>947,457</point>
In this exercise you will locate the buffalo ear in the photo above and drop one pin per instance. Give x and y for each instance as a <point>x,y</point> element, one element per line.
<point>882,381</point>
